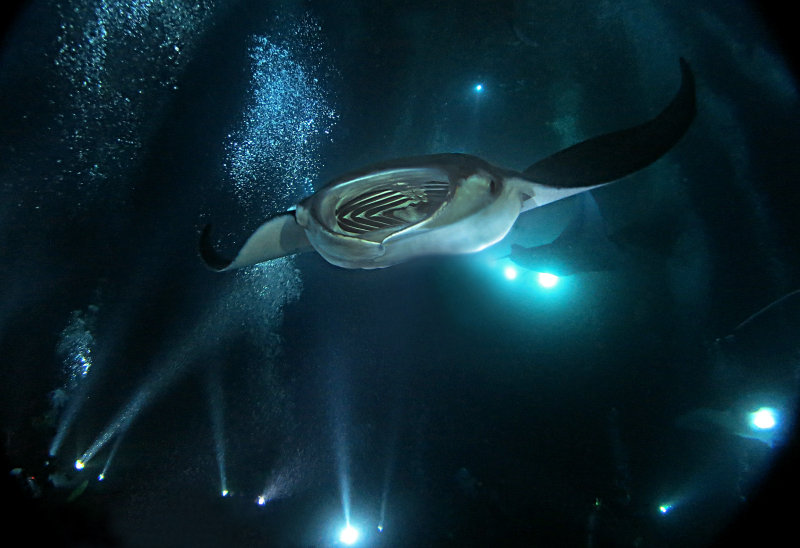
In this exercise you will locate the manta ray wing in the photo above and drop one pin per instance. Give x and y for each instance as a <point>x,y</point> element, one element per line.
<point>277,237</point>
<point>614,155</point>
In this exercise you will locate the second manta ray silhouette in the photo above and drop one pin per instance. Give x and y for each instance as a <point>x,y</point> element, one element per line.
<point>391,212</point>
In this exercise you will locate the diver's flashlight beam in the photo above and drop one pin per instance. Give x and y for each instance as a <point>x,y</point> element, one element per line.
<point>111,455</point>
<point>162,376</point>
<point>215,402</point>
<point>120,424</point>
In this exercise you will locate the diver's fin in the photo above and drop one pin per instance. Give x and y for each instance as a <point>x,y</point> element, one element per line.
<point>278,237</point>
<point>614,155</point>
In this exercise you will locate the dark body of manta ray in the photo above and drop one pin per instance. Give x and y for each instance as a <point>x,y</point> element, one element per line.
<point>582,246</point>
<point>585,246</point>
<point>391,212</point>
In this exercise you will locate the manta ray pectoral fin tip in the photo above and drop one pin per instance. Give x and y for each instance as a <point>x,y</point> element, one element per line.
<point>211,257</point>
<point>614,155</point>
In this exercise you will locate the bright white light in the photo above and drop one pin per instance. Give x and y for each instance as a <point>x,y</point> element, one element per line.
<point>478,88</point>
<point>349,535</point>
<point>665,508</point>
<point>380,528</point>
<point>101,477</point>
<point>262,500</point>
<point>79,464</point>
<point>510,273</point>
<point>224,493</point>
<point>547,280</point>
<point>763,419</point>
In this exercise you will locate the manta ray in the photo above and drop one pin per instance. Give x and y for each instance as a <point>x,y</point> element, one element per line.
<point>585,246</point>
<point>440,204</point>
<point>582,246</point>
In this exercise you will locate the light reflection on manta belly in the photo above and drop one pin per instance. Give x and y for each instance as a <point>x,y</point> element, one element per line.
<point>445,204</point>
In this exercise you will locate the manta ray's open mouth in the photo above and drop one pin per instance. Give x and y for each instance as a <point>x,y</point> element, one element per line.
<point>396,206</point>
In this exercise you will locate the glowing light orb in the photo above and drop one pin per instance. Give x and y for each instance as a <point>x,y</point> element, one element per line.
<point>101,477</point>
<point>349,535</point>
<point>547,280</point>
<point>262,500</point>
<point>224,493</point>
<point>478,88</point>
<point>665,508</point>
<point>763,419</point>
<point>510,273</point>
<point>79,464</point>
<point>380,528</point>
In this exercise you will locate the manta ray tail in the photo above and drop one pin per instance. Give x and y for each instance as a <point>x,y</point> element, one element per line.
<point>614,155</point>
<point>278,237</point>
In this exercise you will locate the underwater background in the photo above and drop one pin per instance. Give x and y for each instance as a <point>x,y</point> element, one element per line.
<point>440,402</point>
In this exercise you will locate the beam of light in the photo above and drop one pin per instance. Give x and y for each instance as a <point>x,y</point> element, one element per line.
<point>391,453</point>
<point>63,427</point>
<point>281,483</point>
<point>163,375</point>
<point>118,425</point>
<point>344,477</point>
<point>339,417</point>
<point>111,455</point>
<point>546,280</point>
<point>76,348</point>
<point>348,535</point>
<point>215,401</point>
<point>384,499</point>
<point>66,420</point>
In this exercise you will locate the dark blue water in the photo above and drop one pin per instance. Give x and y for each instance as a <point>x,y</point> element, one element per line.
<point>437,399</point>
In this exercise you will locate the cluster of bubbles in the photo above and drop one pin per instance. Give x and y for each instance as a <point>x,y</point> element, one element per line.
<point>75,345</point>
<point>117,67</point>
<point>272,156</point>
